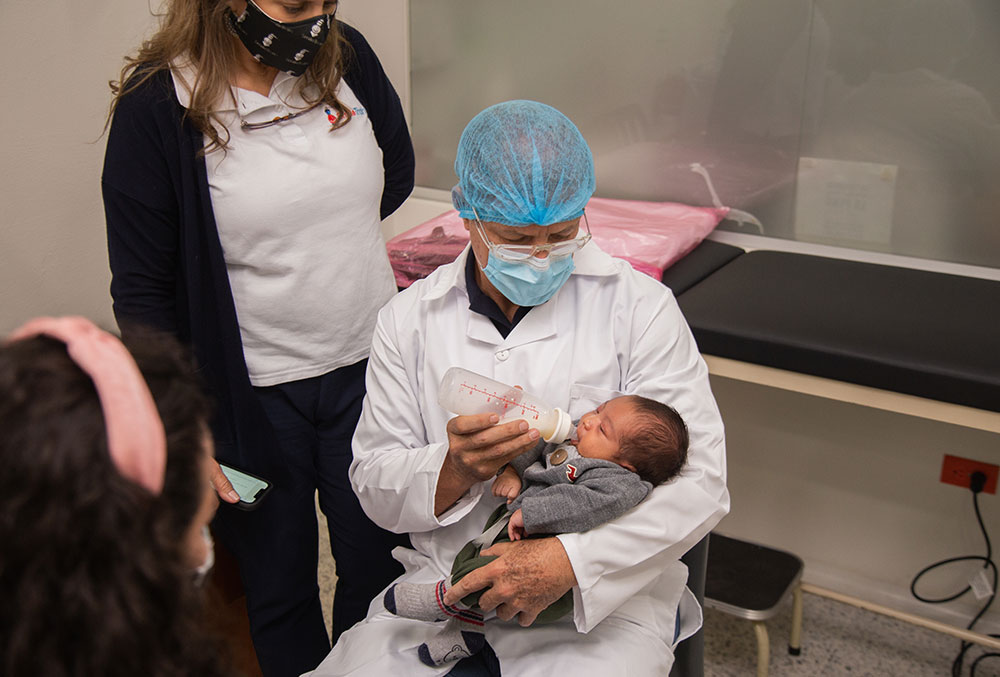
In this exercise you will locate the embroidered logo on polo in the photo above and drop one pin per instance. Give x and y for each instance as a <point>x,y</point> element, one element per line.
<point>332,116</point>
<point>289,47</point>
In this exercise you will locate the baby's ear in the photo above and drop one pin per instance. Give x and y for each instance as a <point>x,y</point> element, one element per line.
<point>628,466</point>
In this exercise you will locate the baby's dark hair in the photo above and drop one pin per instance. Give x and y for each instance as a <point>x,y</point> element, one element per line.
<point>656,444</point>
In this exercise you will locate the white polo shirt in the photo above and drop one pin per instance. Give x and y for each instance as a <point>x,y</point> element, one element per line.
<point>297,210</point>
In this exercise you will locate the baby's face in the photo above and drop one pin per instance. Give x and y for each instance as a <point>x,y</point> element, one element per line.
<point>600,431</point>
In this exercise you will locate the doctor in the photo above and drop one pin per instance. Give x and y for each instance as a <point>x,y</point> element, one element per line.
<point>532,301</point>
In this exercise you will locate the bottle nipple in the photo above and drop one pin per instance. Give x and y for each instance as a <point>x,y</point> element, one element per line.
<point>562,429</point>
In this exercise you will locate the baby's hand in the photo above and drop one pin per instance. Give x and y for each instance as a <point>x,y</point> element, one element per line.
<point>515,528</point>
<point>507,484</point>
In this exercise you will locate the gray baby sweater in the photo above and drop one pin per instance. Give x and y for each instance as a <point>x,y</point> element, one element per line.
<point>576,494</point>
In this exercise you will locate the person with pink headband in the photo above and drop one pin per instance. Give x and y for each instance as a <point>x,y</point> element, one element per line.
<point>105,498</point>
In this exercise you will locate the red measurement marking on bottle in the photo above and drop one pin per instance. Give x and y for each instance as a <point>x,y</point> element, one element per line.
<point>505,401</point>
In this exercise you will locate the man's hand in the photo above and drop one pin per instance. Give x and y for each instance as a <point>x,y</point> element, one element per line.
<point>507,484</point>
<point>477,448</point>
<point>526,577</point>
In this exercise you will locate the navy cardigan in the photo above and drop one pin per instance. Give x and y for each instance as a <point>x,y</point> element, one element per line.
<point>166,260</point>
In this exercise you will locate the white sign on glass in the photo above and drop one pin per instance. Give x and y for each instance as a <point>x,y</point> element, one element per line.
<point>840,201</point>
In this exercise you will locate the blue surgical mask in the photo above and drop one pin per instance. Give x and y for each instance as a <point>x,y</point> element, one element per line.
<point>525,284</point>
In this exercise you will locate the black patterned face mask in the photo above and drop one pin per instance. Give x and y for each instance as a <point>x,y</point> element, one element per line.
<point>289,47</point>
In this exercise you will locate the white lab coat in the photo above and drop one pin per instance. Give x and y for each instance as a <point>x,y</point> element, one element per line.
<point>609,329</point>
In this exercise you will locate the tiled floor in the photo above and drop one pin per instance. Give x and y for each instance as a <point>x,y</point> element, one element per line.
<point>837,640</point>
<point>327,575</point>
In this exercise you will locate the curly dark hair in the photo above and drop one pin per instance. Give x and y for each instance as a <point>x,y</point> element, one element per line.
<point>657,442</point>
<point>93,575</point>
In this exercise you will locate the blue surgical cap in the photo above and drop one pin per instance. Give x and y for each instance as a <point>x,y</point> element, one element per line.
<point>522,163</point>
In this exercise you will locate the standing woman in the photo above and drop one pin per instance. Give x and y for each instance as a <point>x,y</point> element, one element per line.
<point>254,147</point>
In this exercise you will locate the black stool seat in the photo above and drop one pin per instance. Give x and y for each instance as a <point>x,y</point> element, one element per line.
<point>749,580</point>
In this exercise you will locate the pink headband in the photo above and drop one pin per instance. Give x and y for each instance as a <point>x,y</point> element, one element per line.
<point>136,439</point>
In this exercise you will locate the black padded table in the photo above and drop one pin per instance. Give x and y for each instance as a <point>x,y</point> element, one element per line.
<point>698,264</point>
<point>922,333</point>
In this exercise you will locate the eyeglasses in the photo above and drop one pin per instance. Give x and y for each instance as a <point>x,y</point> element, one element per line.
<point>517,253</point>
<point>250,126</point>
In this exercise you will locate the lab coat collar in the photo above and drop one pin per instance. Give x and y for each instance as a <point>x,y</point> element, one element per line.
<point>591,261</point>
<point>538,324</point>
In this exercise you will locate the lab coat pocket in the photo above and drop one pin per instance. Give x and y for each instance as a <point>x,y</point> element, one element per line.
<point>690,616</point>
<point>584,398</point>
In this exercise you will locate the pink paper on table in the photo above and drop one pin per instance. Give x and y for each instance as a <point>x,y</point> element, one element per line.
<point>651,236</point>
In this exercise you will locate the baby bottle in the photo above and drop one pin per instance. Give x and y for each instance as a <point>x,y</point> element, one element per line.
<point>464,392</point>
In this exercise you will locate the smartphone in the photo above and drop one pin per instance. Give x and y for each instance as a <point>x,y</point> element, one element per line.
<point>252,489</point>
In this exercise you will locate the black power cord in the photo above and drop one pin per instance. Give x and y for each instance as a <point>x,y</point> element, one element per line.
<point>976,484</point>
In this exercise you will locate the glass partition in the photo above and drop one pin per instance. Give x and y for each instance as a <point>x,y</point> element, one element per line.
<point>870,124</point>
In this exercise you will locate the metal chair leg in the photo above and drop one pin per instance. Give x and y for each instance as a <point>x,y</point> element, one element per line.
<point>763,648</point>
<point>795,641</point>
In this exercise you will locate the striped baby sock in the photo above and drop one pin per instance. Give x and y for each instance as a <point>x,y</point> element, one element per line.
<point>425,602</point>
<point>458,639</point>
<point>461,636</point>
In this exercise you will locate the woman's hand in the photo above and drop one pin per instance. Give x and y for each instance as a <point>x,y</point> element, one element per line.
<point>223,487</point>
<point>526,577</point>
<point>477,449</point>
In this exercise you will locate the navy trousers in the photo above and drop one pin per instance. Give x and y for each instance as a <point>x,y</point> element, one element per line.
<point>276,545</point>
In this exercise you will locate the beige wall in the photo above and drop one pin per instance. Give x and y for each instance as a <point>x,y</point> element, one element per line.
<point>57,59</point>
<point>385,25</point>
<point>855,492</point>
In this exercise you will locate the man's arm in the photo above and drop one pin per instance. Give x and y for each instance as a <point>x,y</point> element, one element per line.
<point>610,564</point>
<point>404,481</point>
<point>616,560</point>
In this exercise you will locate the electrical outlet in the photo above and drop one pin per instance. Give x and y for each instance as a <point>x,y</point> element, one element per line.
<point>958,471</point>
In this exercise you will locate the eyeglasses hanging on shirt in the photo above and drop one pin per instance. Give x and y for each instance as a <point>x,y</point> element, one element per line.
<point>250,126</point>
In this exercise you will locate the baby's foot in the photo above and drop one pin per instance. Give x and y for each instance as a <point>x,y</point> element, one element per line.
<point>424,602</point>
<point>457,639</point>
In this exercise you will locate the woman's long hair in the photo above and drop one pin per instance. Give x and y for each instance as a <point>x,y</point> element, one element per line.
<point>196,31</point>
<point>94,575</point>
